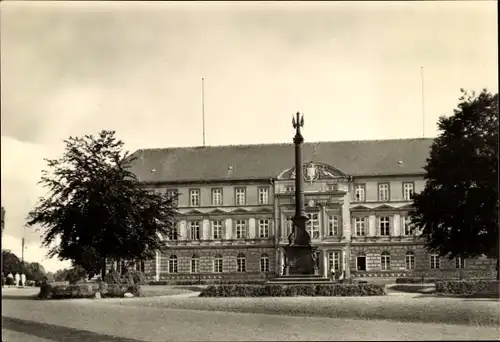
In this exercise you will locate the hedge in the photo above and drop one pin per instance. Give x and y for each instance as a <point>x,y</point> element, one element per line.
<point>86,290</point>
<point>416,280</point>
<point>468,287</point>
<point>275,290</point>
<point>206,282</point>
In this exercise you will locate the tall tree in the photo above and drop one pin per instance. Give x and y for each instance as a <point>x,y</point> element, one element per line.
<point>97,209</point>
<point>458,209</point>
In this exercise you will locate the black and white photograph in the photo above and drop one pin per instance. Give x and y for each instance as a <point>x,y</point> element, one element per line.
<point>249,171</point>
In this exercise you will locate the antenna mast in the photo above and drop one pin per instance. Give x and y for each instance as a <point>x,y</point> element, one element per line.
<point>203,106</point>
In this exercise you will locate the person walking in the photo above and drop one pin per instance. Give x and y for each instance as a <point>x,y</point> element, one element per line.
<point>332,273</point>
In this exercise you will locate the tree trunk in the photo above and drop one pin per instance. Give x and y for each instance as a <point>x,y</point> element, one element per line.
<point>103,268</point>
<point>498,269</point>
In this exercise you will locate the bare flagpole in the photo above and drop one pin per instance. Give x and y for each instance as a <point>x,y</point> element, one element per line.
<point>423,102</point>
<point>203,106</point>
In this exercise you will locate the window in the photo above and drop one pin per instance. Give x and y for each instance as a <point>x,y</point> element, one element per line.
<point>172,264</point>
<point>264,228</point>
<point>173,194</point>
<point>334,261</point>
<point>241,226</point>
<point>289,225</point>
<point>333,225</point>
<point>194,227</point>
<point>359,192</point>
<point>332,187</point>
<point>195,264</point>
<point>217,229</point>
<point>361,263</point>
<point>360,226</point>
<point>312,225</point>
<point>289,188</point>
<point>218,264</point>
<point>435,261</point>
<point>459,262</point>
<point>241,263</point>
<point>407,226</point>
<point>240,196</point>
<point>383,192</point>
<point>407,191</point>
<point>139,266</point>
<point>263,195</point>
<point>194,197</point>
<point>173,233</point>
<point>217,196</point>
<point>264,263</point>
<point>410,260</point>
<point>384,226</point>
<point>385,261</point>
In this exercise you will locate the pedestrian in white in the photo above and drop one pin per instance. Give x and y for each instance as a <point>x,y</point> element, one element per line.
<point>23,280</point>
<point>333,274</point>
<point>17,277</point>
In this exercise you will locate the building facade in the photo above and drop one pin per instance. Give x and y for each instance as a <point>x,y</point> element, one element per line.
<point>235,205</point>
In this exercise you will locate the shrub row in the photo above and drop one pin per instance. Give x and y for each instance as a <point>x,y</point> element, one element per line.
<point>416,280</point>
<point>86,290</point>
<point>275,290</point>
<point>206,282</point>
<point>468,287</point>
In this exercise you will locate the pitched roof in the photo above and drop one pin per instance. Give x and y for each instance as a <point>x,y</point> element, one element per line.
<point>247,162</point>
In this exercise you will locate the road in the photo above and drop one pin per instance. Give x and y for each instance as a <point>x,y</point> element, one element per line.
<point>29,320</point>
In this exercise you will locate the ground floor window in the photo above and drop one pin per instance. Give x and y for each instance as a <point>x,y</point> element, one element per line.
<point>361,263</point>
<point>218,264</point>
<point>459,262</point>
<point>410,260</point>
<point>385,261</point>
<point>195,264</point>
<point>435,261</point>
<point>172,264</point>
<point>139,266</point>
<point>334,261</point>
<point>241,263</point>
<point>264,263</point>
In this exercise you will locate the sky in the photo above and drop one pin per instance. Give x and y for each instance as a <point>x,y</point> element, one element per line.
<point>353,68</point>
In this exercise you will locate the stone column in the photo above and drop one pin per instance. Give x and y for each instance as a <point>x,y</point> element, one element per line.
<point>372,226</point>
<point>228,226</point>
<point>325,263</point>
<point>396,227</point>
<point>252,233</point>
<point>205,227</point>
<point>157,266</point>
<point>280,262</point>
<point>183,234</point>
<point>324,222</point>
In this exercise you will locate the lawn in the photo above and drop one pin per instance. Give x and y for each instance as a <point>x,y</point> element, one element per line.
<point>166,290</point>
<point>402,308</point>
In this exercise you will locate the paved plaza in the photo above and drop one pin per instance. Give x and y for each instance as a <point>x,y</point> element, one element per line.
<point>25,319</point>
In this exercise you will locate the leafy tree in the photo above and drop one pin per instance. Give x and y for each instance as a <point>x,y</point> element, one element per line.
<point>10,262</point>
<point>97,208</point>
<point>458,209</point>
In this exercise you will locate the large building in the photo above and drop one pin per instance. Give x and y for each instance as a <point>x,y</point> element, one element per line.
<point>236,202</point>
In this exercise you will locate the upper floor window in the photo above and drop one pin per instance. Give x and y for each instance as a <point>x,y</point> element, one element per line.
<point>173,195</point>
<point>263,195</point>
<point>194,227</point>
<point>407,229</point>
<point>383,192</point>
<point>194,197</point>
<point>241,229</point>
<point>333,225</point>
<point>264,228</point>
<point>435,261</point>
<point>217,229</point>
<point>240,196</point>
<point>173,233</point>
<point>384,225</point>
<point>459,262</point>
<point>407,191</point>
<point>360,226</point>
<point>241,263</point>
<point>217,196</point>
<point>359,192</point>
<point>312,225</point>
<point>289,188</point>
<point>385,261</point>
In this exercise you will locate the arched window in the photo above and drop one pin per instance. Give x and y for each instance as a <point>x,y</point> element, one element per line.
<point>195,264</point>
<point>241,263</point>
<point>218,263</point>
<point>172,264</point>
<point>264,263</point>
<point>385,261</point>
<point>410,260</point>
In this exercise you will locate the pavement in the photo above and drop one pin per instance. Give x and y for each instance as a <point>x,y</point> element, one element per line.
<point>28,320</point>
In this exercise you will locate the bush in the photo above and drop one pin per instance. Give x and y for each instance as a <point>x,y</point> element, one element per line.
<point>416,280</point>
<point>468,287</point>
<point>277,290</point>
<point>206,282</point>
